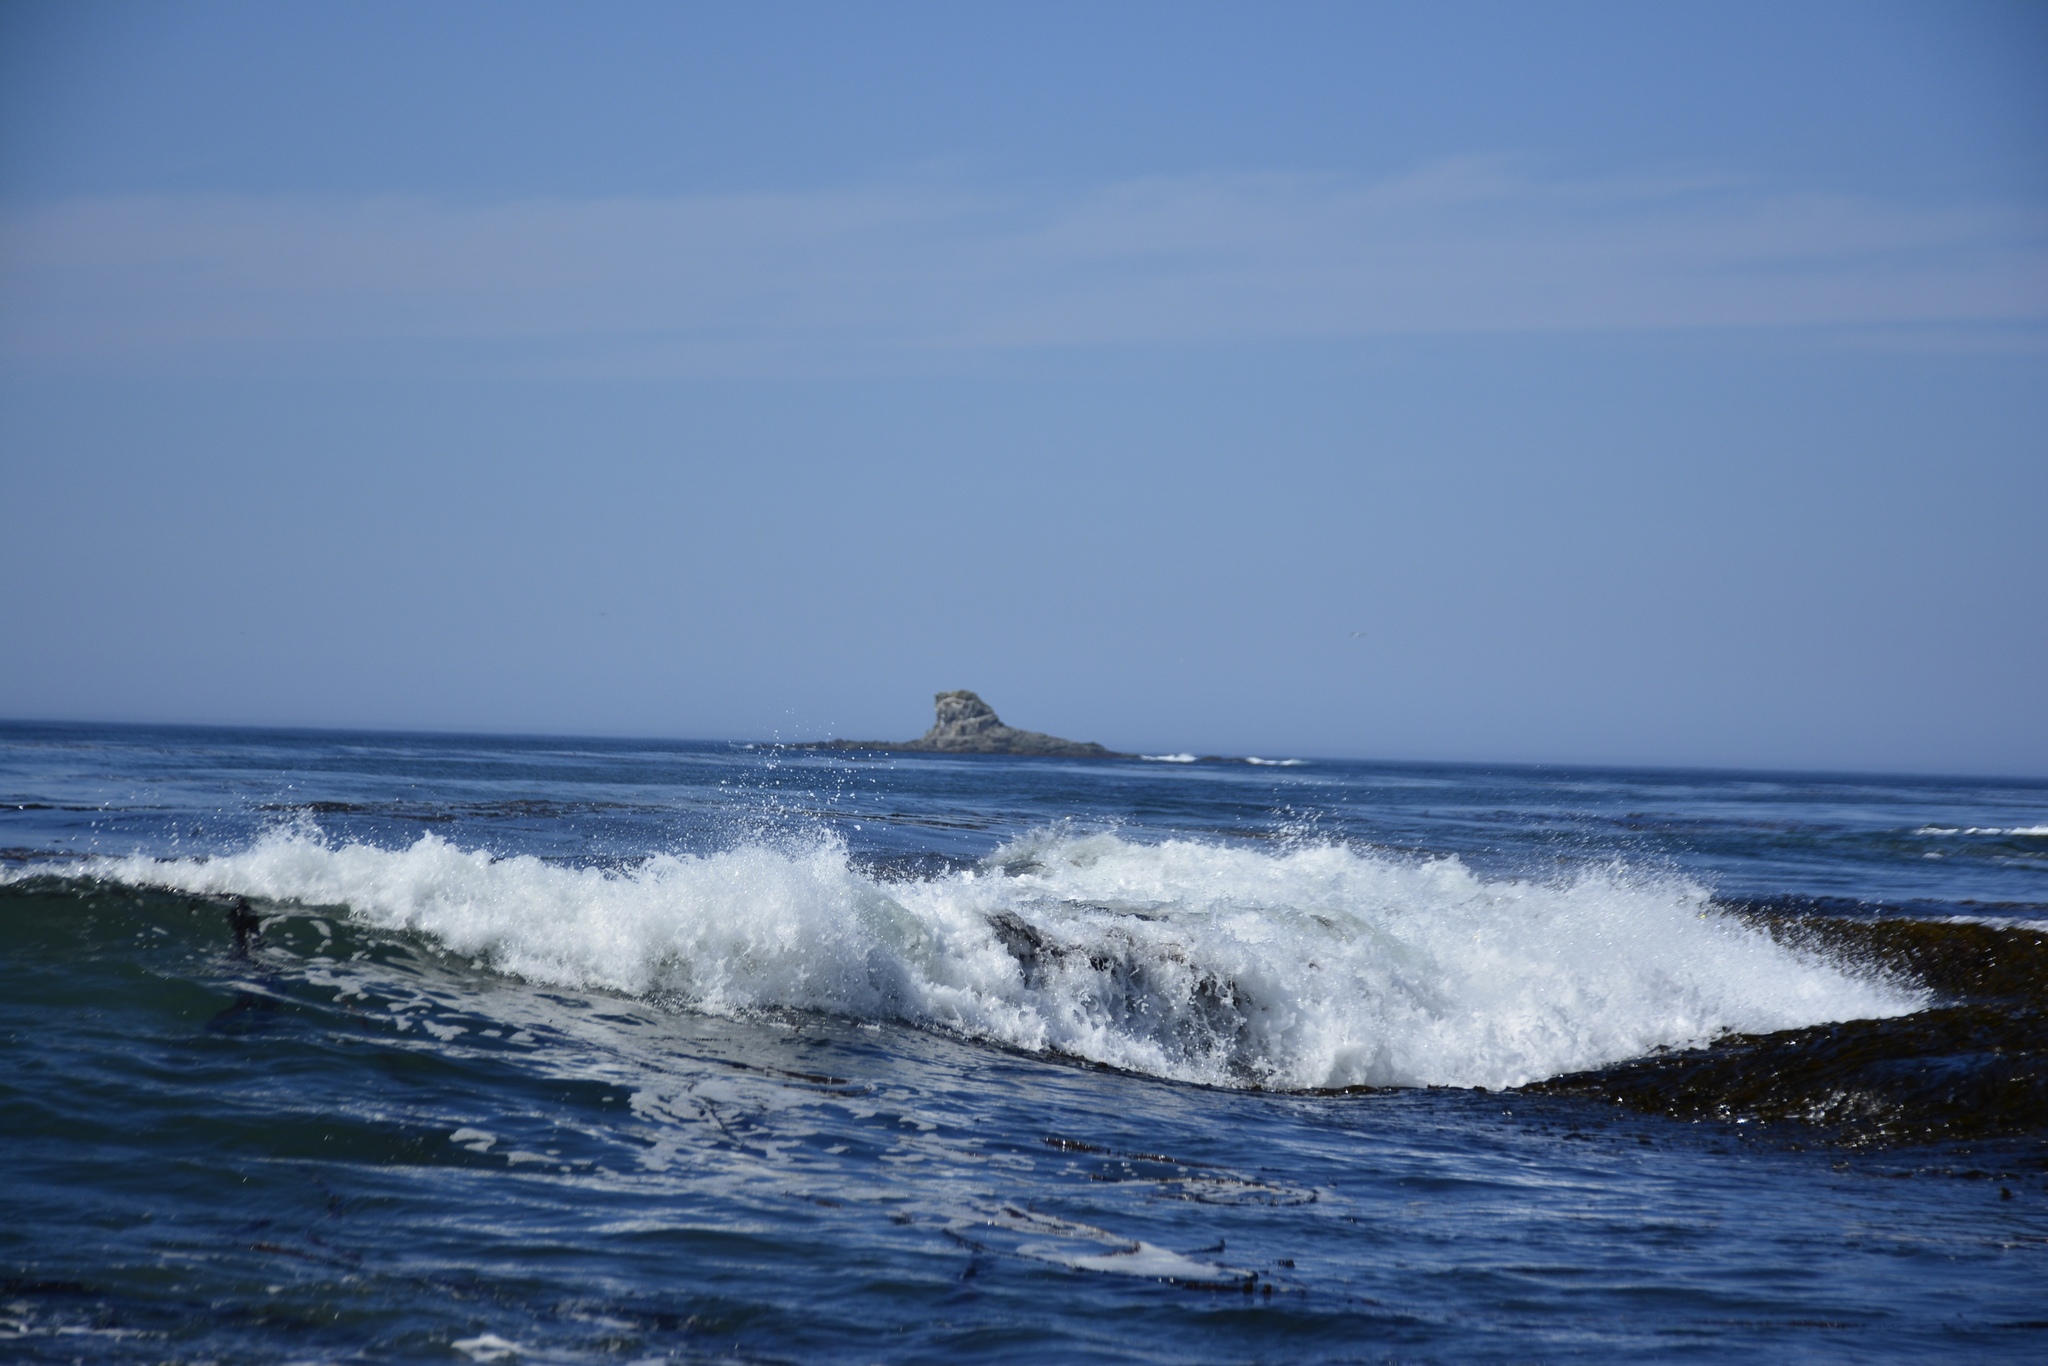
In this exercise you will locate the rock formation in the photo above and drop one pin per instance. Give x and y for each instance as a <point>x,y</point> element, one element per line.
<point>968,725</point>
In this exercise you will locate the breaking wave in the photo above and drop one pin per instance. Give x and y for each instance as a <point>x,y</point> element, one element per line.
<point>2020,831</point>
<point>1296,968</point>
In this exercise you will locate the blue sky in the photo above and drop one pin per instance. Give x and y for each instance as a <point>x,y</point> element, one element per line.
<point>1634,384</point>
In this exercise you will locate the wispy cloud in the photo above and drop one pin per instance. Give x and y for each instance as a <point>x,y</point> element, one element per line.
<point>716,281</point>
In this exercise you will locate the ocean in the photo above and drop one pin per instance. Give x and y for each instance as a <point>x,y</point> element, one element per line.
<point>328,1046</point>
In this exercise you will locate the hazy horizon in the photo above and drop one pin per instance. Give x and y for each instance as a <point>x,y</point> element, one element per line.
<point>1391,760</point>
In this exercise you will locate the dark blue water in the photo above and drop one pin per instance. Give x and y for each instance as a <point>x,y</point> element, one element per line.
<point>523,1049</point>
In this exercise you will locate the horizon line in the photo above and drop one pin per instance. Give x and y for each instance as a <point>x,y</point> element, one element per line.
<point>1730,770</point>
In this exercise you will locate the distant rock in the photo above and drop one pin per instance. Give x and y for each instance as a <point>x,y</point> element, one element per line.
<point>968,725</point>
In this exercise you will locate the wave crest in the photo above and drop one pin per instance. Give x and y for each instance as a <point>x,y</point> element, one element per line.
<point>1304,967</point>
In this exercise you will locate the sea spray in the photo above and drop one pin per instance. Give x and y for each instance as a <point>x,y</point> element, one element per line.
<point>1316,965</point>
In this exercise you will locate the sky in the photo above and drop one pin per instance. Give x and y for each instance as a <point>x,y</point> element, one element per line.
<point>1578,383</point>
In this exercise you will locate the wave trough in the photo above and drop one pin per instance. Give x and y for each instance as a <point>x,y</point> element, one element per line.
<point>1304,967</point>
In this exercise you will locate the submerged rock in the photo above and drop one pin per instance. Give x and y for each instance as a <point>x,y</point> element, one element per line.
<point>1971,1067</point>
<point>968,725</point>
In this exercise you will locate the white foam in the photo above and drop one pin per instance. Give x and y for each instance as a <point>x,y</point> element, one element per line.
<point>2032,831</point>
<point>1169,758</point>
<point>1276,763</point>
<point>1996,922</point>
<point>1085,1247</point>
<point>1297,967</point>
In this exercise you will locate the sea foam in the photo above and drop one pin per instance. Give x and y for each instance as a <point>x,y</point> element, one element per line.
<point>1291,967</point>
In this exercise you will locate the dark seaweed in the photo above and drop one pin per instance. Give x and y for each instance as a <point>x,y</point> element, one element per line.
<point>1972,1067</point>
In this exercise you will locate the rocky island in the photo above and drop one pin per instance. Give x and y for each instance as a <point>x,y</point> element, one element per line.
<point>968,725</point>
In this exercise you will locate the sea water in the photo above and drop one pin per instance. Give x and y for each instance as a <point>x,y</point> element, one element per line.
<point>325,1046</point>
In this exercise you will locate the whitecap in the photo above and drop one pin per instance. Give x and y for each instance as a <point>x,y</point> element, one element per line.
<point>2022,831</point>
<point>1306,966</point>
